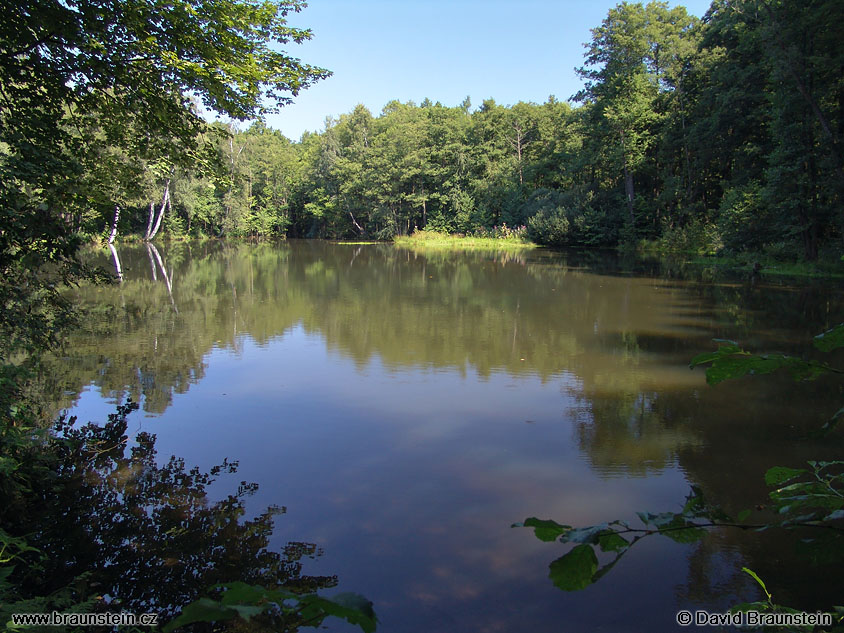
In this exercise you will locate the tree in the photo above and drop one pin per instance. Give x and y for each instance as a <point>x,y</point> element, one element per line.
<point>627,65</point>
<point>64,62</point>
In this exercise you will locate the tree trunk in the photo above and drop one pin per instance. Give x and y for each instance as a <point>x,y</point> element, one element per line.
<point>114,227</point>
<point>355,222</point>
<point>149,220</point>
<point>164,203</point>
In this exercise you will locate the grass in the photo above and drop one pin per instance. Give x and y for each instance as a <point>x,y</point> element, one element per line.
<point>435,240</point>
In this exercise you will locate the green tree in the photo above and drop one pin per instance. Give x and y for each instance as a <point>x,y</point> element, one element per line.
<point>135,61</point>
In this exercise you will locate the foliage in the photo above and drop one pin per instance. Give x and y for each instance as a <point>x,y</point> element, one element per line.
<point>803,498</point>
<point>554,220</point>
<point>503,232</point>
<point>807,498</point>
<point>147,535</point>
<point>240,600</point>
<point>695,237</point>
<point>96,111</point>
<point>695,135</point>
<point>99,111</point>
<point>730,361</point>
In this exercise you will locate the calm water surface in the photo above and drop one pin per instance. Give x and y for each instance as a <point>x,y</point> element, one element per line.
<point>407,407</point>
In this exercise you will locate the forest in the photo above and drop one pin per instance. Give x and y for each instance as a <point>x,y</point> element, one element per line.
<point>721,134</point>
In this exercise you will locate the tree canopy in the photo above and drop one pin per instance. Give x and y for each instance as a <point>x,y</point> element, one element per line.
<point>99,101</point>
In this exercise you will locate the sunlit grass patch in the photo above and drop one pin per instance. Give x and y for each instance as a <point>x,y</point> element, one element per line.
<point>508,239</point>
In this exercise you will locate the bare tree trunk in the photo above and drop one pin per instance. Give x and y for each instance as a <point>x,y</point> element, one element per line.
<point>519,141</point>
<point>355,222</point>
<point>114,227</point>
<point>149,221</point>
<point>164,203</point>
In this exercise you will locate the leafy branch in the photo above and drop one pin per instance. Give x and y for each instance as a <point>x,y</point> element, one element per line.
<point>810,497</point>
<point>292,610</point>
<point>731,361</point>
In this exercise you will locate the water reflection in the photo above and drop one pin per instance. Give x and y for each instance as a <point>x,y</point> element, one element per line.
<point>125,531</point>
<point>633,434</point>
<point>415,404</point>
<point>474,310</point>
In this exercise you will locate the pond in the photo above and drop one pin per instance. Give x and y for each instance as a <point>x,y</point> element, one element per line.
<point>407,407</point>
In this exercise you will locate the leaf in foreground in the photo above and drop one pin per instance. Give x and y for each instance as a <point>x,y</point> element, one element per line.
<point>575,570</point>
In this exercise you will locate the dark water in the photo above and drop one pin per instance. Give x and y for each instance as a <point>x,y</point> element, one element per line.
<point>406,408</point>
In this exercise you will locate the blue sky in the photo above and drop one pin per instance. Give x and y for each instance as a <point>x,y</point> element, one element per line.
<point>445,50</point>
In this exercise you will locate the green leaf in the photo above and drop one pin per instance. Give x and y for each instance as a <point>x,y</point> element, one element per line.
<point>690,534</point>
<point>830,424</point>
<point>5,572</point>
<point>742,516</point>
<point>757,579</point>
<point>247,611</point>
<point>351,607</point>
<point>664,519</point>
<point>778,475</point>
<point>729,367</point>
<point>725,348</point>
<point>575,570</point>
<point>202,610</point>
<point>645,517</point>
<point>610,541</point>
<point>545,530</point>
<point>241,593</point>
<point>831,339</point>
<point>695,502</point>
<point>8,465</point>
<point>702,359</point>
<point>584,535</point>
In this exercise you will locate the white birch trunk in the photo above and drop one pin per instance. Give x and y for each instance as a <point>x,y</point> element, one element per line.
<point>114,227</point>
<point>164,204</point>
<point>149,221</point>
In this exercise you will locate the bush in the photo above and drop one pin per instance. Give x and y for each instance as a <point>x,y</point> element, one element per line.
<point>502,232</point>
<point>556,218</point>
<point>696,236</point>
<point>743,221</point>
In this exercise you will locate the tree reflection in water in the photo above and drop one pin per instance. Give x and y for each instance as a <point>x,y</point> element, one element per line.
<point>144,537</point>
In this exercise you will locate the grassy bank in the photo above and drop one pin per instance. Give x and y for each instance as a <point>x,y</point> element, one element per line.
<point>509,240</point>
